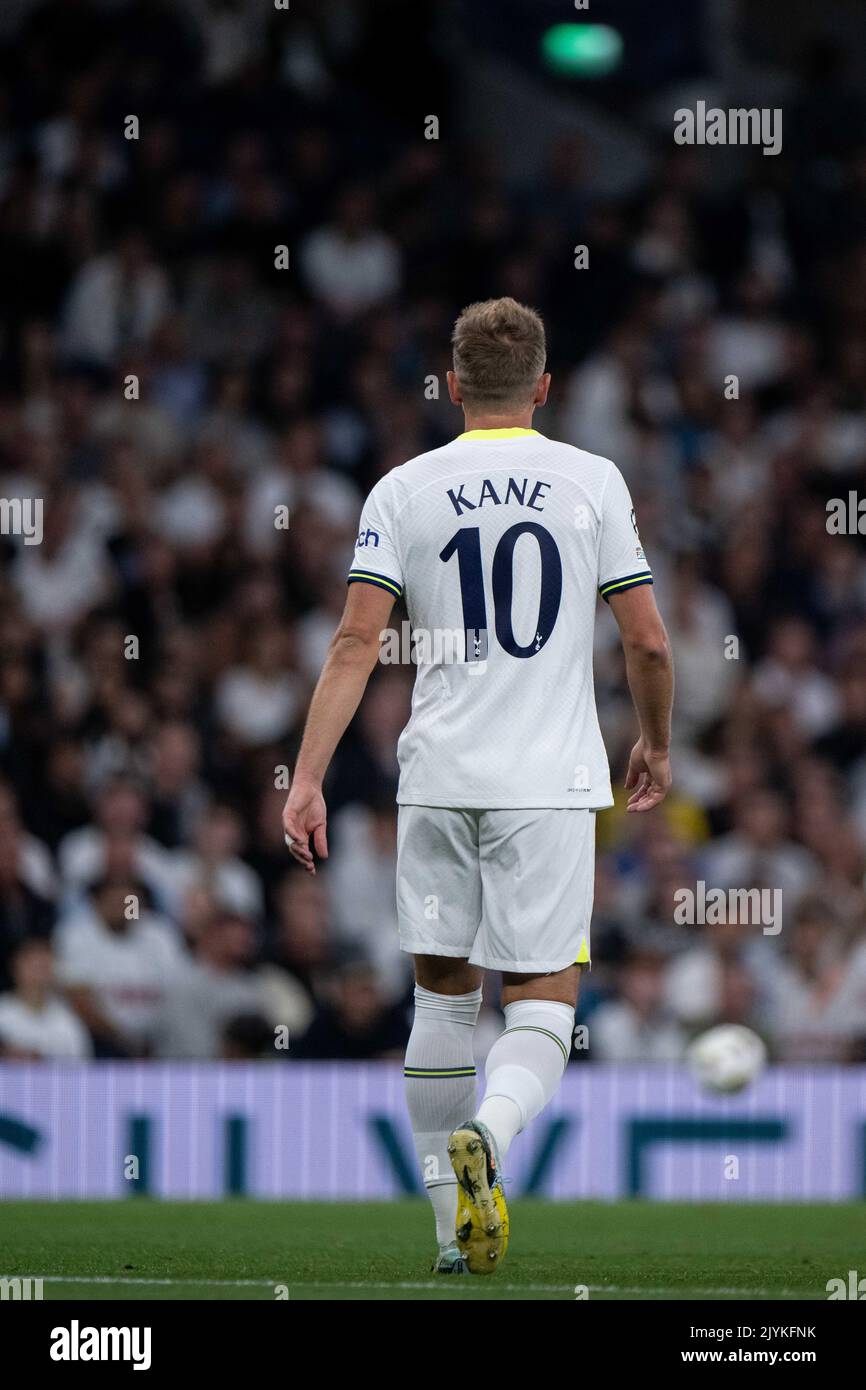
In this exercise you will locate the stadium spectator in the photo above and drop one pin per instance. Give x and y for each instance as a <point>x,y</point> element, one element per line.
<point>818,1002</point>
<point>116,960</point>
<point>350,265</point>
<point>214,863</point>
<point>354,1022</point>
<point>120,815</point>
<point>24,912</point>
<point>208,988</point>
<point>635,1027</point>
<point>362,875</point>
<point>302,947</point>
<point>35,1022</point>
<point>757,852</point>
<point>115,302</point>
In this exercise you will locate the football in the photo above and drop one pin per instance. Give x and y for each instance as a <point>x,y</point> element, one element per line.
<point>727,1058</point>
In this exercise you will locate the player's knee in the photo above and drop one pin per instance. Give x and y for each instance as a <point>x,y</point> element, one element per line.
<point>446,975</point>
<point>560,987</point>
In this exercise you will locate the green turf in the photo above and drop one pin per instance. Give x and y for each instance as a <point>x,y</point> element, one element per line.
<point>382,1251</point>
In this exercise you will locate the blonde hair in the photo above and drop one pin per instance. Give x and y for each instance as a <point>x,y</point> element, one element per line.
<point>499,353</point>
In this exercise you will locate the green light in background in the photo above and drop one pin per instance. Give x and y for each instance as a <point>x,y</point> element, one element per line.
<point>582,50</point>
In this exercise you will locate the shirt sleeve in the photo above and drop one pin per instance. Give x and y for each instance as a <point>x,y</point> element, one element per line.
<point>622,563</point>
<point>376,560</point>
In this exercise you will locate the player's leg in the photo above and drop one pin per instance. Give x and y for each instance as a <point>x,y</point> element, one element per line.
<point>526,1063</point>
<point>523,1071</point>
<point>440,1082</point>
<point>439,904</point>
<point>538,873</point>
<point>537,882</point>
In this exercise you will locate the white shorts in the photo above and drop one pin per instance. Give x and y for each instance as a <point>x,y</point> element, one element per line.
<point>508,890</point>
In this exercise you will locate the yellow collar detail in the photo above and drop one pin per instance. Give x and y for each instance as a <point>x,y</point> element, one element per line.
<point>495,434</point>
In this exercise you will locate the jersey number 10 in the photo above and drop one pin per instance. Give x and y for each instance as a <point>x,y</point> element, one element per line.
<point>467,545</point>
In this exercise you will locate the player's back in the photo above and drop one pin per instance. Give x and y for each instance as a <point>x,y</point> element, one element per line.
<point>500,542</point>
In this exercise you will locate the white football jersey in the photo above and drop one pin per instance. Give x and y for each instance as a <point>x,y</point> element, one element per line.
<point>500,543</point>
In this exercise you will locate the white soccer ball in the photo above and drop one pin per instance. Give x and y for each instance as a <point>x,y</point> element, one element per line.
<point>727,1058</point>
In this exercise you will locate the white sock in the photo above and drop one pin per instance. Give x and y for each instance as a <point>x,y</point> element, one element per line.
<point>440,1091</point>
<point>443,1199</point>
<point>524,1066</point>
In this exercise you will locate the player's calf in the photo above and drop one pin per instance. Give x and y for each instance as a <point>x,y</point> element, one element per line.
<point>440,1092</point>
<point>525,1065</point>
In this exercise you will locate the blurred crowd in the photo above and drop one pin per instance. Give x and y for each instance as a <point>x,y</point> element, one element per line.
<point>170,383</point>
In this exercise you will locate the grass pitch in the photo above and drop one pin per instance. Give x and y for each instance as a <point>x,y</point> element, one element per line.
<point>145,1249</point>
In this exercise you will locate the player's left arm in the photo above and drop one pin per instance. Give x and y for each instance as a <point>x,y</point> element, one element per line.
<point>625,582</point>
<point>649,667</point>
<point>351,657</point>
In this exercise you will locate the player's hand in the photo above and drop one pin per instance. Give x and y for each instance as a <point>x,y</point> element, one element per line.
<point>649,774</point>
<point>305,814</point>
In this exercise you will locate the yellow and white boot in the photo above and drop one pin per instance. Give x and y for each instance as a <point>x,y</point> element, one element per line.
<point>482,1216</point>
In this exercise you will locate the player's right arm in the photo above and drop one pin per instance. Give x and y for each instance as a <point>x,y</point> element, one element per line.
<point>349,664</point>
<point>375,581</point>
<point>649,666</point>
